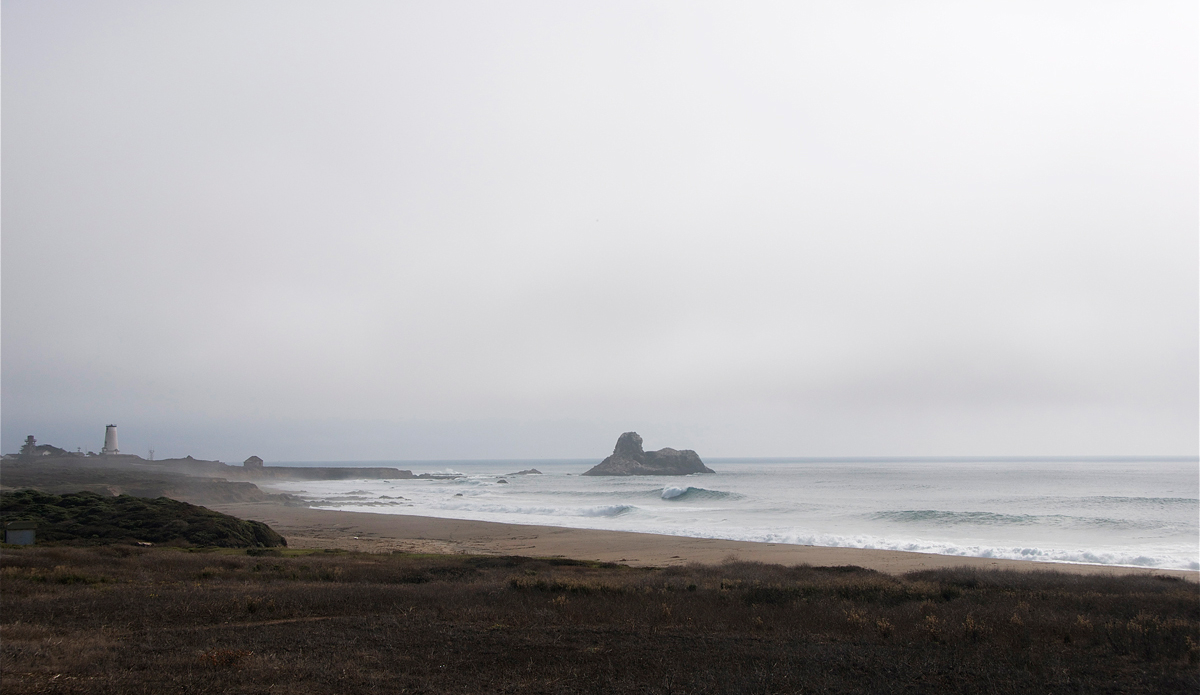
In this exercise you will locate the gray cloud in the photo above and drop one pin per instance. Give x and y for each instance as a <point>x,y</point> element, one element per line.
<point>385,231</point>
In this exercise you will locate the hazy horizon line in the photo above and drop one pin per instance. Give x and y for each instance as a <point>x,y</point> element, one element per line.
<point>786,459</point>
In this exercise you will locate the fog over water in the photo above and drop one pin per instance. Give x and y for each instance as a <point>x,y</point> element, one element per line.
<point>350,231</point>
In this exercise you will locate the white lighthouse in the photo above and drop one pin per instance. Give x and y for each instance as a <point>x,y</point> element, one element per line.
<point>110,441</point>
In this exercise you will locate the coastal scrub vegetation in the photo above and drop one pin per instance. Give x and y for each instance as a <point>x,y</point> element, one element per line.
<point>91,518</point>
<point>124,618</point>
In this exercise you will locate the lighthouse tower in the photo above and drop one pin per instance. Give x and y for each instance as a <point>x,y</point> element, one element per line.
<point>110,441</point>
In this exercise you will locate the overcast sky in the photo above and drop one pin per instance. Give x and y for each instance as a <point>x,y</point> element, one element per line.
<point>358,230</point>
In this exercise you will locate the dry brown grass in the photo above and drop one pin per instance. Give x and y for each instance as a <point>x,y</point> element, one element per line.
<point>121,619</point>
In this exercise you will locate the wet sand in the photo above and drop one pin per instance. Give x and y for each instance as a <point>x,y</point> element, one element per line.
<point>383,533</point>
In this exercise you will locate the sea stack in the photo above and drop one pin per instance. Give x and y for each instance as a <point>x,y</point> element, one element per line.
<point>629,459</point>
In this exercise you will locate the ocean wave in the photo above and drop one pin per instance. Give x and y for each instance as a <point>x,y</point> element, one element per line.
<point>514,512</point>
<point>938,517</point>
<point>1142,501</point>
<point>352,504</point>
<point>1119,505</point>
<point>676,493</point>
<point>1159,559</point>
<point>609,510</point>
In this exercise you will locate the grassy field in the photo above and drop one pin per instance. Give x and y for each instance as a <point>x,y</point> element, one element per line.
<point>124,619</point>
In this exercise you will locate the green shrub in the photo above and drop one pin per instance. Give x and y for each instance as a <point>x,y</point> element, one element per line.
<point>90,518</point>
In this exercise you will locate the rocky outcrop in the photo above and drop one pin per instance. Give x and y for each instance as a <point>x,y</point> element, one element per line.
<point>629,459</point>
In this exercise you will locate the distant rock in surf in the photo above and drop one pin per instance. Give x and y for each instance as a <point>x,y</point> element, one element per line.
<point>528,471</point>
<point>629,459</point>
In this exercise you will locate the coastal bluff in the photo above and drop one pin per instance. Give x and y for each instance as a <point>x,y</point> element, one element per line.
<point>629,459</point>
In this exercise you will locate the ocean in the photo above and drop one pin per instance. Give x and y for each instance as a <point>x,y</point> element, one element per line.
<point>1130,512</point>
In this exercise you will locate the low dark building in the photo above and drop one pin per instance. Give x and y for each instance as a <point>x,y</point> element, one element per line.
<point>20,532</point>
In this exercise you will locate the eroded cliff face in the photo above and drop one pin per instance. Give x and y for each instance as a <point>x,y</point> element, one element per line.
<point>628,458</point>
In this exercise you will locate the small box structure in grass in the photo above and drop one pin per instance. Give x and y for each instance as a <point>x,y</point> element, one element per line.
<point>20,532</point>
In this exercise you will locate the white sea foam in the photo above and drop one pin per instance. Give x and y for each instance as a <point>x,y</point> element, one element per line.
<point>1163,559</point>
<point>473,506</point>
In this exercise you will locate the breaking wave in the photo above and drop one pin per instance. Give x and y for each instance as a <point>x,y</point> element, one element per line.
<point>469,506</point>
<point>674,492</point>
<point>944,518</point>
<point>1129,558</point>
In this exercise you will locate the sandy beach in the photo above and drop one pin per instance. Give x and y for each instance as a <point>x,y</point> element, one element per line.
<point>382,533</point>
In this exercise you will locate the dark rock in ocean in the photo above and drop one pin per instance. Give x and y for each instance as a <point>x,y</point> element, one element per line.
<point>529,471</point>
<point>502,481</point>
<point>629,459</point>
